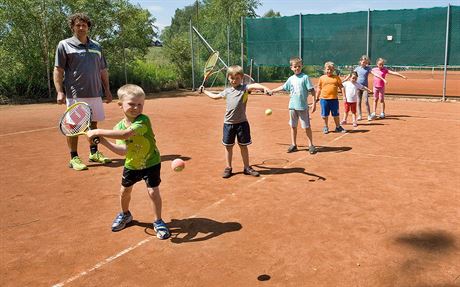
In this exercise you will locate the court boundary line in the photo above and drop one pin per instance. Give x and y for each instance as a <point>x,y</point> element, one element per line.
<point>110,259</point>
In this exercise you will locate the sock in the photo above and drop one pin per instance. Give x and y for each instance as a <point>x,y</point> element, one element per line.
<point>93,149</point>
<point>73,154</point>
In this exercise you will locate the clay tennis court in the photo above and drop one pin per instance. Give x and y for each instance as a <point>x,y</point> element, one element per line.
<point>377,206</point>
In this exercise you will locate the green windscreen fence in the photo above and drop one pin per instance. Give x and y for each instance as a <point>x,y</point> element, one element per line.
<point>415,37</point>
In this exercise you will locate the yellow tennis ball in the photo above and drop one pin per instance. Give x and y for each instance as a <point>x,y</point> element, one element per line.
<point>268,112</point>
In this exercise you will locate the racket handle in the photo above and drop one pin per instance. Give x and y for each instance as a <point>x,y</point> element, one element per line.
<point>96,140</point>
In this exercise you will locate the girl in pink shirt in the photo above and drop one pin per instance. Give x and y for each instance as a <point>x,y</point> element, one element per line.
<point>380,73</point>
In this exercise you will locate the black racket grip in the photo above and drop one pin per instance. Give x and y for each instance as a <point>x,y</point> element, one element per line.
<point>96,140</point>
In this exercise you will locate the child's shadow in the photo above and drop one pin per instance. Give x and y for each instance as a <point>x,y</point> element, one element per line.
<point>282,170</point>
<point>332,148</point>
<point>189,229</point>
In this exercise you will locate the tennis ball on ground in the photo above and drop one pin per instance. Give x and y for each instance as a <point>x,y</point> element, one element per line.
<point>268,112</point>
<point>178,164</point>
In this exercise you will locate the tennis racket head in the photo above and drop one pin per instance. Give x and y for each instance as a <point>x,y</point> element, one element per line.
<point>210,64</point>
<point>76,120</point>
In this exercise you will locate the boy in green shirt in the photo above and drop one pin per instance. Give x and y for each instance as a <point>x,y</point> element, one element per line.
<point>135,139</point>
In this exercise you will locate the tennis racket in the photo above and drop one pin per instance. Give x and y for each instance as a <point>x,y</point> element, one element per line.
<point>209,66</point>
<point>76,121</point>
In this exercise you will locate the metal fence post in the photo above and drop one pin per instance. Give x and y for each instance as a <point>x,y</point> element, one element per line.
<point>444,83</point>
<point>242,45</point>
<point>300,35</point>
<point>193,56</point>
<point>368,30</point>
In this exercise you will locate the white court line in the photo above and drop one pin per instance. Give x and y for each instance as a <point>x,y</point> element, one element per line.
<point>131,248</point>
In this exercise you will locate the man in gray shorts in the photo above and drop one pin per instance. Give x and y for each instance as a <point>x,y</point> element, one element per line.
<point>80,75</point>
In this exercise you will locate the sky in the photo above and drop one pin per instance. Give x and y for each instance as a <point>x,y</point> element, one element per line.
<point>163,10</point>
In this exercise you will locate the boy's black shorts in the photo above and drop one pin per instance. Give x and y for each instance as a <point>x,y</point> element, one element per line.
<point>240,130</point>
<point>151,175</point>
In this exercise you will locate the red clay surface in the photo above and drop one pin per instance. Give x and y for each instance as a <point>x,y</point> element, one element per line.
<point>378,206</point>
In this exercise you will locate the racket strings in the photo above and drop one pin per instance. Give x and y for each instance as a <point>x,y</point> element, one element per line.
<point>76,120</point>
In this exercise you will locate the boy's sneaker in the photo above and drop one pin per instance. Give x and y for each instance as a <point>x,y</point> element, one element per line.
<point>161,229</point>
<point>227,172</point>
<point>382,115</point>
<point>312,149</point>
<point>121,220</point>
<point>373,116</point>
<point>359,118</point>
<point>292,148</point>
<point>369,118</point>
<point>355,124</point>
<point>340,129</point>
<point>77,164</point>
<point>325,130</point>
<point>99,157</point>
<point>250,171</point>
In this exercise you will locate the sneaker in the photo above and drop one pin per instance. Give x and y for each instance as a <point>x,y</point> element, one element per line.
<point>121,220</point>
<point>382,115</point>
<point>340,129</point>
<point>292,148</point>
<point>359,118</point>
<point>355,124</point>
<point>99,157</point>
<point>77,164</point>
<point>369,118</point>
<point>325,130</point>
<point>343,122</point>
<point>250,171</point>
<point>161,229</point>
<point>312,149</point>
<point>373,116</point>
<point>227,172</point>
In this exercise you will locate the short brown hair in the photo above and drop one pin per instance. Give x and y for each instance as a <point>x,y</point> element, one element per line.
<point>79,16</point>
<point>235,70</point>
<point>130,90</point>
<point>295,60</point>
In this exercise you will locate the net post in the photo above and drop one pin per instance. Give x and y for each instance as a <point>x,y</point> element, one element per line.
<point>446,55</point>
<point>300,35</point>
<point>241,41</point>
<point>368,31</point>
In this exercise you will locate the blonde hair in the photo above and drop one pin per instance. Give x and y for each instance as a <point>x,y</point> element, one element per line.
<point>380,59</point>
<point>329,65</point>
<point>235,70</point>
<point>295,60</point>
<point>130,90</point>
<point>365,58</point>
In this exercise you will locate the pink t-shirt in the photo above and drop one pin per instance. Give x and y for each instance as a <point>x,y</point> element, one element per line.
<point>378,83</point>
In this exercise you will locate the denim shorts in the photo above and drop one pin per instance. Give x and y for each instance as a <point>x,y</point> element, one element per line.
<point>329,107</point>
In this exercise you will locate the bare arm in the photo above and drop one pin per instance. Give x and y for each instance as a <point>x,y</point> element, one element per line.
<point>209,94</point>
<point>259,87</point>
<point>280,88</point>
<point>313,94</point>
<point>113,134</point>
<point>375,75</point>
<point>116,148</point>
<point>58,79</point>
<point>396,74</point>
<point>106,86</point>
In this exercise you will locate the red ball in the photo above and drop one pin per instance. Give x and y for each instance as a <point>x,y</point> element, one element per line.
<point>178,164</point>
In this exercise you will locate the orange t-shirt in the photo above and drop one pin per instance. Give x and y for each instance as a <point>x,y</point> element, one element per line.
<point>329,87</point>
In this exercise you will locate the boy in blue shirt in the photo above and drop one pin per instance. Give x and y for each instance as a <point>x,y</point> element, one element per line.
<point>299,85</point>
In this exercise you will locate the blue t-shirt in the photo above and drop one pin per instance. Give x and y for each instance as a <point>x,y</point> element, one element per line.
<point>298,86</point>
<point>363,74</point>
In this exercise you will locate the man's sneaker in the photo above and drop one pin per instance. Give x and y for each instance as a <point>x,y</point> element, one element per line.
<point>325,130</point>
<point>382,115</point>
<point>359,118</point>
<point>161,229</point>
<point>99,157</point>
<point>369,118</point>
<point>250,171</point>
<point>340,129</point>
<point>373,116</point>
<point>121,220</point>
<point>77,164</point>
<point>312,149</point>
<point>292,148</point>
<point>227,172</point>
